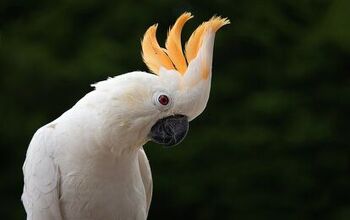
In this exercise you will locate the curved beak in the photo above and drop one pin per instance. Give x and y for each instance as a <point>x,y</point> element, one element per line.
<point>169,131</point>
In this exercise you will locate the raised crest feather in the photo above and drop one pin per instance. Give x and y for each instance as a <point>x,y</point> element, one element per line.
<point>173,43</point>
<point>195,41</point>
<point>153,55</point>
<point>173,58</point>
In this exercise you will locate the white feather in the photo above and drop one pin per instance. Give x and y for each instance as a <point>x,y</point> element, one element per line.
<point>82,166</point>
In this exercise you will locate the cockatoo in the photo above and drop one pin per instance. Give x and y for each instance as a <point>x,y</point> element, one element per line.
<point>89,163</point>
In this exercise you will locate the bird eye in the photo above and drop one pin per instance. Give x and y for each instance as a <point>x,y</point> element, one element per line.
<point>163,99</point>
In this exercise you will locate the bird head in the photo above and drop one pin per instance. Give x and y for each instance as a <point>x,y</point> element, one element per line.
<point>160,105</point>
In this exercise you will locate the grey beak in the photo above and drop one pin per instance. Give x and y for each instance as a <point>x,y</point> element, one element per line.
<point>170,131</point>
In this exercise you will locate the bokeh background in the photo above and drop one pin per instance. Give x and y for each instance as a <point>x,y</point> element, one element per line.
<point>273,142</point>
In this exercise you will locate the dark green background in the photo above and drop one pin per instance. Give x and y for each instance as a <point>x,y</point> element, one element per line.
<point>273,142</point>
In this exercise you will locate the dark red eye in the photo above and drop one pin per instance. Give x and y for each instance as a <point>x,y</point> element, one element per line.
<point>163,99</point>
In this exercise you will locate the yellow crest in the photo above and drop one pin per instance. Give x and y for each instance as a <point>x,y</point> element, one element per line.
<point>172,57</point>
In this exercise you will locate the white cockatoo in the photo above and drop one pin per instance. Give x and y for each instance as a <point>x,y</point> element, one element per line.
<point>89,163</point>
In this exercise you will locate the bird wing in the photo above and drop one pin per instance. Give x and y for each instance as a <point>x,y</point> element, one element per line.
<point>41,178</point>
<point>146,175</point>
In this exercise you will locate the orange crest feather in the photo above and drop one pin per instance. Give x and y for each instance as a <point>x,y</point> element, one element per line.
<point>173,43</point>
<point>153,55</point>
<point>196,39</point>
<point>172,57</point>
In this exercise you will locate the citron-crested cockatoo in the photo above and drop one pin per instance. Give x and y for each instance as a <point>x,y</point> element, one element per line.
<point>89,163</point>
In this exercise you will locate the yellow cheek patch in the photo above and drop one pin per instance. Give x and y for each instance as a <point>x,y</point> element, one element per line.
<point>172,57</point>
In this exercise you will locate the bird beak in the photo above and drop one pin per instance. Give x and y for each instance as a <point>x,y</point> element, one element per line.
<point>170,131</point>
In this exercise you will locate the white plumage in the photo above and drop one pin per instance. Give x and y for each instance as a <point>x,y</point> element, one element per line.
<point>90,164</point>
<point>72,171</point>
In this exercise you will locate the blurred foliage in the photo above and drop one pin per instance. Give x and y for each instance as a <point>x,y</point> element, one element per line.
<point>273,142</point>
